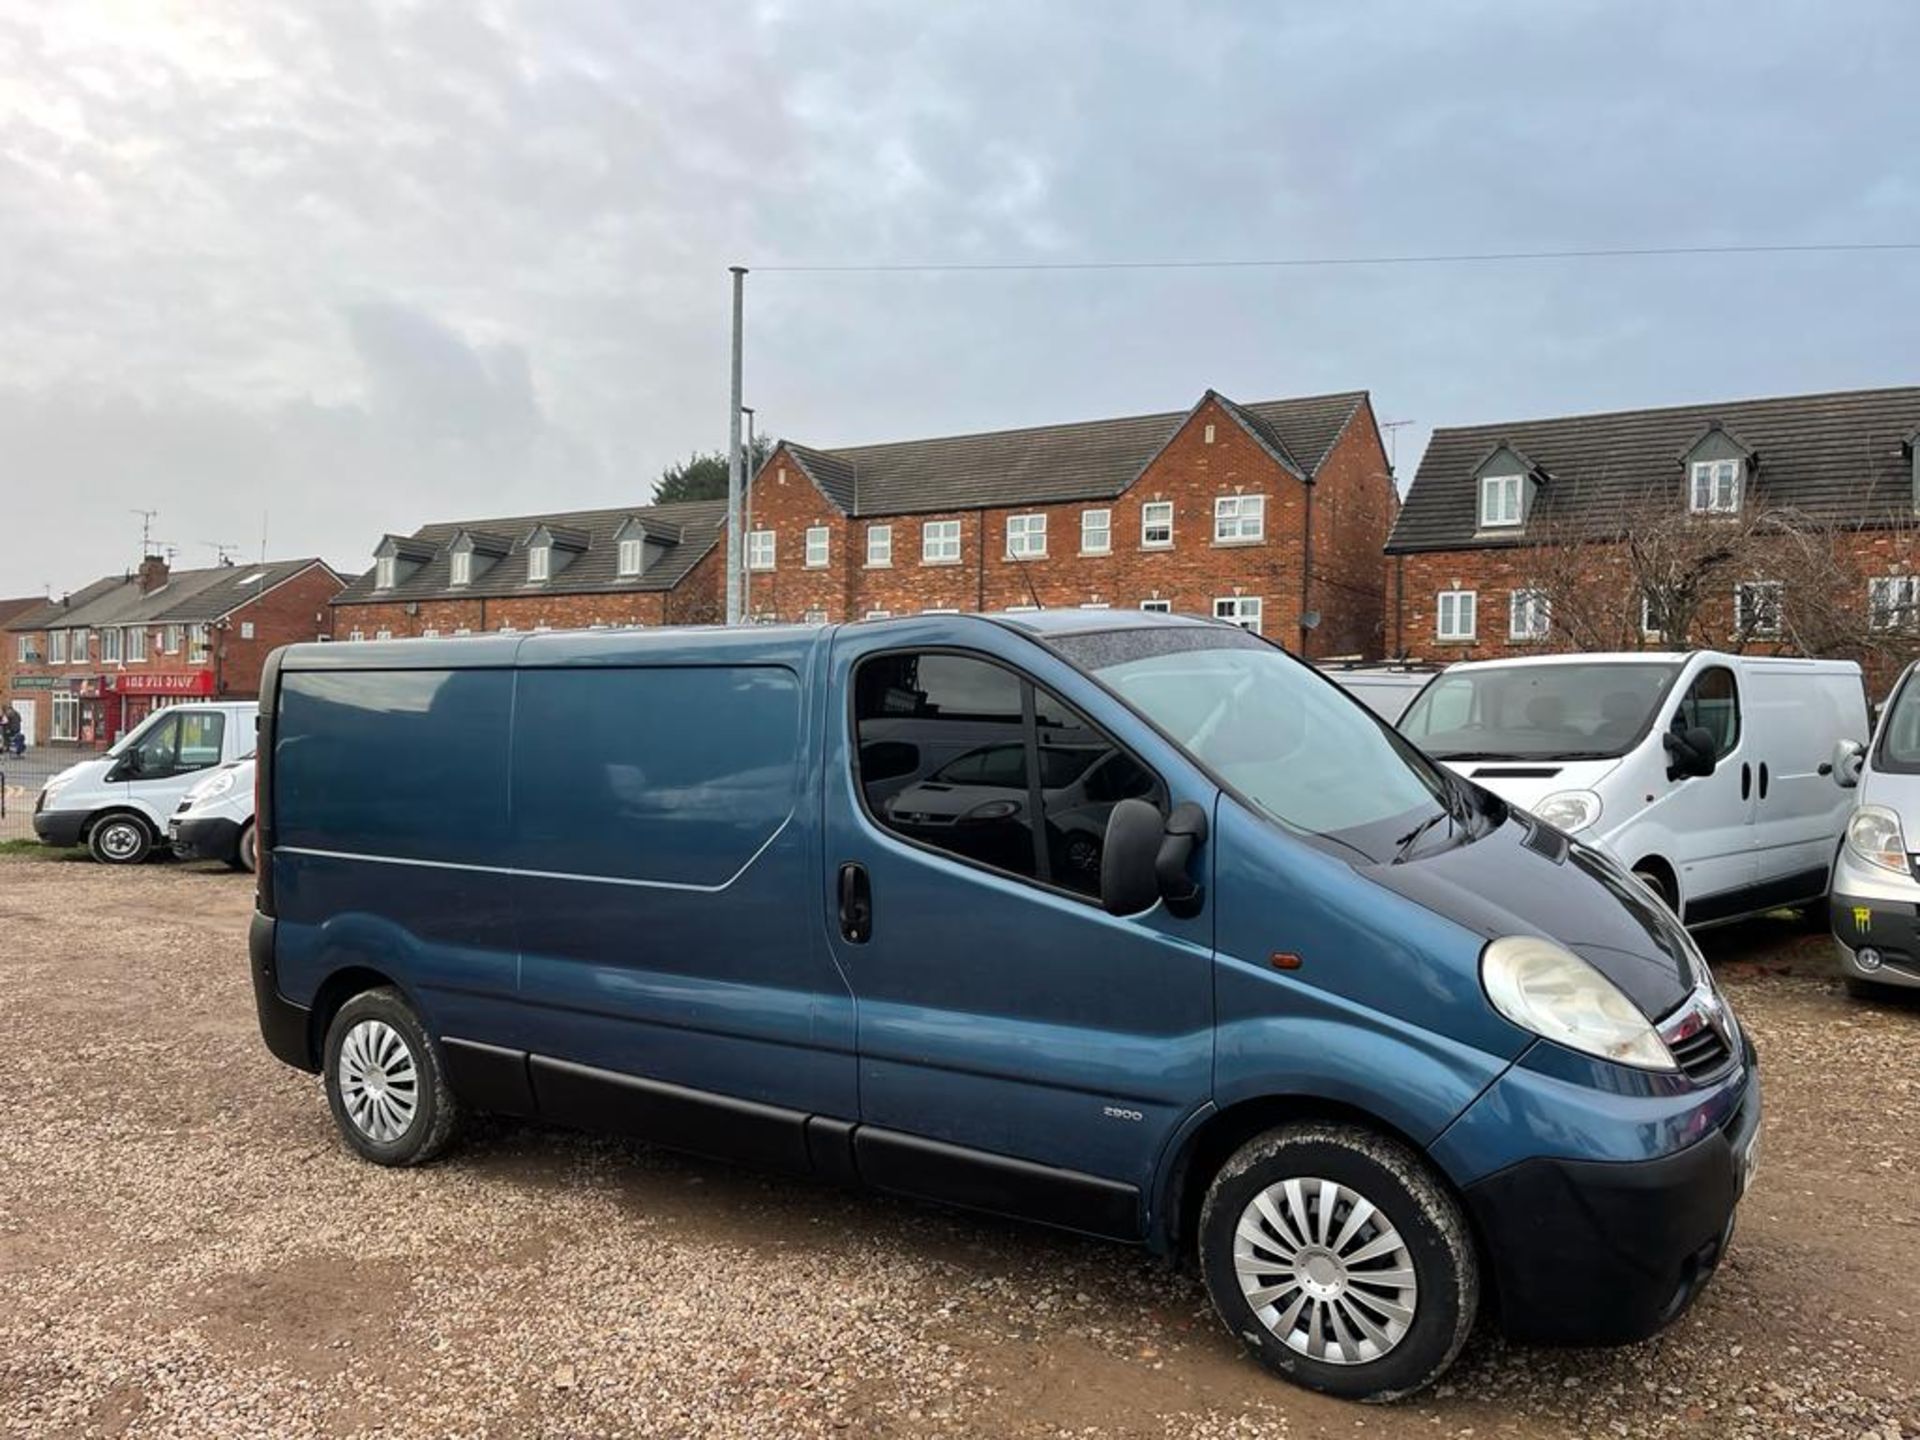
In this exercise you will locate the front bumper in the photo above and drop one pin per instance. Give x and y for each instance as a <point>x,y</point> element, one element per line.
<point>1878,911</point>
<point>59,827</point>
<point>1596,1252</point>
<point>215,838</point>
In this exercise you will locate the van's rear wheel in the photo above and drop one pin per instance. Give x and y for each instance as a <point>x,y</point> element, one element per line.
<point>385,1084</point>
<point>120,840</point>
<point>245,857</point>
<point>1341,1261</point>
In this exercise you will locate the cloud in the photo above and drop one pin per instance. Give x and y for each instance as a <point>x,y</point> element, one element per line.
<point>362,266</point>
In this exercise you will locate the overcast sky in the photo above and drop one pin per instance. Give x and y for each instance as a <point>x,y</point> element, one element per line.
<point>344,270</point>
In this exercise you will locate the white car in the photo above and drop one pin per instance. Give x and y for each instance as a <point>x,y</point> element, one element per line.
<point>118,804</point>
<point>1708,775</point>
<point>215,819</point>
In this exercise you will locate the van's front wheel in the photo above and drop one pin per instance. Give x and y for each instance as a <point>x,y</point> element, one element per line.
<point>120,840</point>
<point>384,1083</point>
<point>1340,1260</point>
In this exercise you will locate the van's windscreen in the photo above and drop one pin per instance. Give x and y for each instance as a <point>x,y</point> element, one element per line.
<point>1273,730</point>
<point>1538,712</point>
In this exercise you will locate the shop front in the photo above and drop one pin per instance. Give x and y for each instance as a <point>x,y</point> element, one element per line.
<point>138,694</point>
<point>31,697</point>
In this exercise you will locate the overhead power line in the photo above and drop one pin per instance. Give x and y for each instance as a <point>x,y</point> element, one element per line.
<point>1302,262</point>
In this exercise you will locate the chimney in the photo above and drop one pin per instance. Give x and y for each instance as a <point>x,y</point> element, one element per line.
<point>153,574</point>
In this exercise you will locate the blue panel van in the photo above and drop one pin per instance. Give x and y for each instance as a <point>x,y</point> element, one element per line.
<point>1122,922</point>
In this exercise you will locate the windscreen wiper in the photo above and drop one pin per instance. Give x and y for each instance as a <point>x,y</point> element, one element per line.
<point>1406,841</point>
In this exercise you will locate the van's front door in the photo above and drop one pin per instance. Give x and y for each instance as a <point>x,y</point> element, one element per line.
<point>1710,817</point>
<point>160,765</point>
<point>1020,1049</point>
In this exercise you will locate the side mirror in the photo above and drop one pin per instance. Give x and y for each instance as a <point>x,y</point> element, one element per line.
<point>1690,752</point>
<point>1849,758</point>
<point>1146,855</point>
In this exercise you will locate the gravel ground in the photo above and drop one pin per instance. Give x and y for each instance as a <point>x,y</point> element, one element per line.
<point>185,1249</point>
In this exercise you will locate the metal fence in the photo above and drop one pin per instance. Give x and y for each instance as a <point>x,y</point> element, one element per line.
<point>21,777</point>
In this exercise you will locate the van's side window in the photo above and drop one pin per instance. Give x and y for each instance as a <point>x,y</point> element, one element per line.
<point>1713,702</point>
<point>960,754</point>
<point>180,743</point>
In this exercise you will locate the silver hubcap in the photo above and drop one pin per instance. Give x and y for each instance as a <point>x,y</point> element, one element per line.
<point>1325,1271</point>
<point>119,840</point>
<point>378,1082</point>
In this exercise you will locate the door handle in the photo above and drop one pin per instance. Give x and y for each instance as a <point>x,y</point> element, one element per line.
<point>856,903</point>
<point>1763,779</point>
<point>1746,780</point>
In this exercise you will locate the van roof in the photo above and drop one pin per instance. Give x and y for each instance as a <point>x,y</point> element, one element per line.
<point>1671,657</point>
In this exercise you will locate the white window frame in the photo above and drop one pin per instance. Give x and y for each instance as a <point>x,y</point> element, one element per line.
<point>383,634</point>
<point>762,549</point>
<point>940,542</point>
<point>1157,607</point>
<point>77,645</point>
<point>814,617</point>
<point>1022,609</point>
<point>632,557</point>
<point>170,639</point>
<point>385,569</point>
<point>65,708</point>
<point>818,547</point>
<point>1096,532</point>
<point>1023,531</point>
<point>1704,479</point>
<point>23,650</point>
<point>879,547</point>
<point>462,630</point>
<point>1529,614</point>
<point>940,610</point>
<point>460,568</point>
<point>1447,627</point>
<point>110,645</point>
<point>539,564</point>
<point>1246,611</point>
<point>1648,630</point>
<point>137,645</point>
<point>1163,510</point>
<point>246,629</point>
<point>431,632</point>
<point>356,633</point>
<point>1239,519</point>
<point>1502,501</point>
<point>879,615</point>
<point>1892,601</point>
<point>56,647</point>
<point>1741,604</point>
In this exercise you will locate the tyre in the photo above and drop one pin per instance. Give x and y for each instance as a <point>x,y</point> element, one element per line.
<point>1657,883</point>
<point>245,857</point>
<point>385,1084</point>
<point>1871,990</point>
<point>122,839</point>
<point>1340,1260</point>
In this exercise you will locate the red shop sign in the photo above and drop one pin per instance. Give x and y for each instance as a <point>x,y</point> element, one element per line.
<point>183,682</point>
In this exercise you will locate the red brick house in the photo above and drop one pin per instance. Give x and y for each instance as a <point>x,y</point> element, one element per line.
<point>84,668</point>
<point>1271,515</point>
<point>643,565</point>
<point>1493,508</point>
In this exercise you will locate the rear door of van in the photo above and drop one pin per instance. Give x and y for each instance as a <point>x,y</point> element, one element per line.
<point>1797,711</point>
<point>1020,1049</point>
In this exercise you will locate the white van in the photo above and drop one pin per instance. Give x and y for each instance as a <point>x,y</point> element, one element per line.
<point>215,818</point>
<point>1386,689</point>
<point>118,804</point>
<point>1708,775</point>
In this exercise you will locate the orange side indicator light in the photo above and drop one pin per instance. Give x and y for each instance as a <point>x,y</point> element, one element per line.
<point>1284,960</point>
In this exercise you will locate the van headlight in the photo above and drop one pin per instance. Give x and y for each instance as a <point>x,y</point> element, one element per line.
<point>1569,810</point>
<point>216,785</point>
<point>1873,834</point>
<point>1549,990</point>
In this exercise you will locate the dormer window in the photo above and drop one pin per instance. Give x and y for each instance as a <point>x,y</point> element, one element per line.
<point>460,568</point>
<point>632,556</point>
<point>383,572</point>
<point>1715,488</point>
<point>1500,501</point>
<point>539,564</point>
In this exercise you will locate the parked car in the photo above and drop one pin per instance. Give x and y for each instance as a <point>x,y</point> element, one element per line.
<point>1386,689</point>
<point>1372,1043</point>
<point>1702,773</point>
<point>118,804</point>
<point>1875,896</point>
<point>215,818</point>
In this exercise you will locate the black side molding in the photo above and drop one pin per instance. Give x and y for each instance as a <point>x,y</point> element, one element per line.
<point>1000,1184</point>
<point>766,1136</point>
<point>489,1077</point>
<point>1770,895</point>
